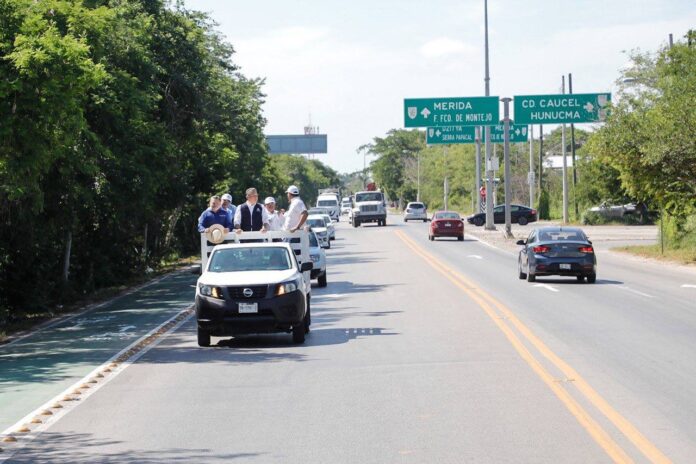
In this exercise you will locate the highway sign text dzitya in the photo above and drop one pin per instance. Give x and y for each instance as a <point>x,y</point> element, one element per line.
<point>467,134</point>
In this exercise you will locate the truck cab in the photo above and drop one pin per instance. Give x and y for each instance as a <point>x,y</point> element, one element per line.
<point>330,202</point>
<point>369,206</point>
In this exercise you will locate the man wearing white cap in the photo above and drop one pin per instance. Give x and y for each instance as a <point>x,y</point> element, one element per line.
<point>228,206</point>
<point>275,219</point>
<point>296,215</point>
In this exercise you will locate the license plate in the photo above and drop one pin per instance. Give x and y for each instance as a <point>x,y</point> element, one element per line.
<point>565,266</point>
<point>248,308</point>
<point>447,224</point>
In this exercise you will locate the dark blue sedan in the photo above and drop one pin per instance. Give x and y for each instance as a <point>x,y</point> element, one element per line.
<point>564,251</point>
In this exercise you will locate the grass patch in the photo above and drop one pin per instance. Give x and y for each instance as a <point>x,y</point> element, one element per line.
<point>684,255</point>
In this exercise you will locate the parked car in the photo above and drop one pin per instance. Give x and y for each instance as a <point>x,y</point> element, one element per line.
<point>446,224</point>
<point>518,213</point>
<point>316,252</point>
<point>564,251</point>
<point>614,211</point>
<point>346,205</point>
<point>253,288</point>
<point>415,210</point>
<point>318,224</point>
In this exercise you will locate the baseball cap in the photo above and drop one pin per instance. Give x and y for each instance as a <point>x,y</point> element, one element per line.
<point>227,196</point>
<point>293,190</point>
<point>269,200</point>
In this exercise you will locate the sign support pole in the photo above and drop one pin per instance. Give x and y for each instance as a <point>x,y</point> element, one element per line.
<point>487,137</point>
<point>572,154</point>
<point>565,163</point>
<point>478,169</point>
<point>506,155</point>
<point>531,166</point>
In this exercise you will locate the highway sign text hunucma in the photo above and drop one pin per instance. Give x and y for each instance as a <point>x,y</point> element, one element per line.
<point>561,109</point>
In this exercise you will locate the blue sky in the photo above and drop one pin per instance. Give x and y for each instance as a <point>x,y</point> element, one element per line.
<point>350,64</point>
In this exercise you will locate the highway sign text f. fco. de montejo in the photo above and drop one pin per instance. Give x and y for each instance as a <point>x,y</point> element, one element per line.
<point>467,134</point>
<point>461,111</point>
<point>561,109</point>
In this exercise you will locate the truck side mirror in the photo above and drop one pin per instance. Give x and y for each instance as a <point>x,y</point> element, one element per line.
<point>306,266</point>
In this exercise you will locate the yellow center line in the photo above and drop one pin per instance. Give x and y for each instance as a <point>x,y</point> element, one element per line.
<point>487,303</point>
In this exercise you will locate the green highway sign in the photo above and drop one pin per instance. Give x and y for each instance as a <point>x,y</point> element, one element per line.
<point>461,111</point>
<point>561,109</point>
<point>467,134</point>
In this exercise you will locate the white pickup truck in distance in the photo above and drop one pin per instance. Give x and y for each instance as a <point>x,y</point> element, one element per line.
<point>369,206</point>
<point>330,203</point>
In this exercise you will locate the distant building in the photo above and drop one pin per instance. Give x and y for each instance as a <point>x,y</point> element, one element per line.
<point>556,162</point>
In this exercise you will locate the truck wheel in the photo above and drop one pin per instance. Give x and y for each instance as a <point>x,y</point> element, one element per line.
<point>203,337</point>
<point>308,317</point>
<point>329,246</point>
<point>356,223</point>
<point>298,332</point>
<point>384,222</point>
<point>591,278</point>
<point>322,280</point>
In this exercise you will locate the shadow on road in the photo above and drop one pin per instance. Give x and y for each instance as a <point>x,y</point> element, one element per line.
<point>574,281</point>
<point>83,448</point>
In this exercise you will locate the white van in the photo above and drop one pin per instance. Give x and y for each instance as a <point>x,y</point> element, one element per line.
<point>329,202</point>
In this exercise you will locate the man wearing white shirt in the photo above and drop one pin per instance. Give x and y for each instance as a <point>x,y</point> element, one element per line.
<point>275,219</point>
<point>251,216</point>
<point>296,215</point>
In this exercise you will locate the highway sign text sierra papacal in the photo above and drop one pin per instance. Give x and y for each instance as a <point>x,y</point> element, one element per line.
<point>562,108</point>
<point>467,134</point>
<point>460,111</point>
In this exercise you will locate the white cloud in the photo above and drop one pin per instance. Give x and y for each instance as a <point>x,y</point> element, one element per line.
<point>443,46</point>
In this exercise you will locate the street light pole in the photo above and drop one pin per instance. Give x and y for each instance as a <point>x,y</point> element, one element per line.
<point>490,225</point>
<point>531,166</point>
<point>565,163</point>
<point>477,133</point>
<point>418,177</point>
<point>506,155</point>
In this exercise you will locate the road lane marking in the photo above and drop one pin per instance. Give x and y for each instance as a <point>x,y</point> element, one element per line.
<point>547,287</point>
<point>65,402</point>
<point>629,289</point>
<point>486,302</point>
<point>688,286</point>
<point>475,256</point>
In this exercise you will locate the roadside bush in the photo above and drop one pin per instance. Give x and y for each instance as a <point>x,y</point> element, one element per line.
<point>544,208</point>
<point>593,218</point>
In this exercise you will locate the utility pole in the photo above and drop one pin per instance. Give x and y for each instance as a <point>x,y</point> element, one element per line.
<point>530,179</point>
<point>565,163</point>
<point>477,137</point>
<point>445,184</point>
<point>572,152</point>
<point>506,155</point>
<point>490,225</point>
<point>541,160</point>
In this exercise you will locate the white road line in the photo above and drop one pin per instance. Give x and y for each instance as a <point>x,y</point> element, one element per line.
<point>547,287</point>
<point>56,414</point>
<point>475,256</point>
<point>629,289</point>
<point>688,286</point>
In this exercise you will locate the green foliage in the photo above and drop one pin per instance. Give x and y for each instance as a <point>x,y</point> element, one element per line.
<point>543,209</point>
<point>650,137</point>
<point>117,120</point>
<point>308,175</point>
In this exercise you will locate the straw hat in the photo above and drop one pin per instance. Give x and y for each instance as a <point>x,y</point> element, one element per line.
<point>216,234</point>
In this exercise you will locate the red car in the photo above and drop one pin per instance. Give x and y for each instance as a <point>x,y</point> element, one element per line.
<point>446,224</point>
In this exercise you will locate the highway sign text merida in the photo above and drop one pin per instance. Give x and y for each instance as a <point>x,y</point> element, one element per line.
<point>561,109</point>
<point>461,111</point>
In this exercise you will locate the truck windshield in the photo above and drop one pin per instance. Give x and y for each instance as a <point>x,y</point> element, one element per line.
<point>244,259</point>
<point>369,196</point>
<point>327,203</point>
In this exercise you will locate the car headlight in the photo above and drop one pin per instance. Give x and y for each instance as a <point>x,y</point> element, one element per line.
<point>315,258</point>
<point>287,287</point>
<point>214,292</point>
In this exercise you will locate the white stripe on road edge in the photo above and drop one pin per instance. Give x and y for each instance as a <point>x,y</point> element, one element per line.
<point>49,414</point>
<point>629,289</point>
<point>688,286</point>
<point>474,256</point>
<point>547,287</point>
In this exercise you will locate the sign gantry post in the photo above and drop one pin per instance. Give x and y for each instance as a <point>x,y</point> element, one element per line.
<point>506,156</point>
<point>478,168</point>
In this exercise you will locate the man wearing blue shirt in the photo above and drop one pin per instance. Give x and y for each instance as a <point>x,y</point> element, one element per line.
<point>214,215</point>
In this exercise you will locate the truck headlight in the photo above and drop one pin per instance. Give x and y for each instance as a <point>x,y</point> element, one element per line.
<point>315,258</point>
<point>287,287</point>
<point>214,292</point>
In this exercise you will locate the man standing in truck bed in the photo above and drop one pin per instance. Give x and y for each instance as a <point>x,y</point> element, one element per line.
<point>251,216</point>
<point>296,215</point>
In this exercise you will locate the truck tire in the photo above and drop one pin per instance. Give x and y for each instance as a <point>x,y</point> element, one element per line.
<point>203,337</point>
<point>356,223</point>
<point>298,332</point>
<point>322,280</point>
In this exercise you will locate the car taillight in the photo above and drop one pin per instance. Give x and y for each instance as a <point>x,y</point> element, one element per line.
<point>541,249</point>
<point>586,249</point>
<point>534,212</point>
<point>460,224</point>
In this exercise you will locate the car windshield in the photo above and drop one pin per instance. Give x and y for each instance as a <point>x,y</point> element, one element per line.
<point>313,240</point>
<point>369,196</point>
<point>416,206</point>
<point>241,259</point>
<point>316,222</point>
<point>447,216</point>
<point>562,236</point>
<point>327,219</point>
<point>327,203</point>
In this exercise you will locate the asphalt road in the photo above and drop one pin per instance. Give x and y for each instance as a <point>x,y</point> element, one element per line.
<point>419,352</point>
